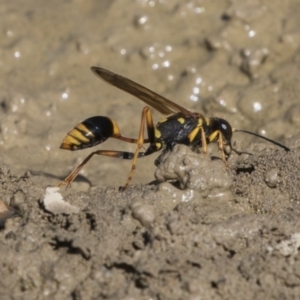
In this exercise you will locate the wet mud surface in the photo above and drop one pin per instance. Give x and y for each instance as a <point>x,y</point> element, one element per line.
<point>155,241</point>
<point>190,227</point>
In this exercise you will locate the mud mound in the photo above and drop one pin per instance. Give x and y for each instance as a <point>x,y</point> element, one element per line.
<point>150,242</point>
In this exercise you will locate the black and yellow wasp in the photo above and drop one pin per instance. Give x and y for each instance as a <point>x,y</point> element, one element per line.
<point>180,126</point>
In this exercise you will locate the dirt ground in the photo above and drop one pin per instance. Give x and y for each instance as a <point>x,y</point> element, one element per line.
<point>189,227</point>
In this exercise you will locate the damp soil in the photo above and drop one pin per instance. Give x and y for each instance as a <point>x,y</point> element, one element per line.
<point>188,226</point>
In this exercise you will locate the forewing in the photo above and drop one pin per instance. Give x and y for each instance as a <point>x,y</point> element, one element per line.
<point>160,103</point>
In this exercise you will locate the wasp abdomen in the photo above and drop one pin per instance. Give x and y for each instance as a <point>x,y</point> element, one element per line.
<point>89,133</point>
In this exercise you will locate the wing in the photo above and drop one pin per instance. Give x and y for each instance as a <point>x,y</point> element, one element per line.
<point>163,105</point>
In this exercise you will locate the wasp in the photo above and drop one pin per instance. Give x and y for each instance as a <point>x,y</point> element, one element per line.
<point>180,126</point>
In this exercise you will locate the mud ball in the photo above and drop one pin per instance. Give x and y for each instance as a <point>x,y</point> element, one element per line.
<point>194,171</point>
<point>272,177</point>
<point>143,212</point>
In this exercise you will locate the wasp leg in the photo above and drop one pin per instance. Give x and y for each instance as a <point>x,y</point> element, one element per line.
<point>218,136</point>
<point>194,133</point>
<point>203,140</point>
<point>118,154</point>
<point>221,148</point>
<point>148,120</point>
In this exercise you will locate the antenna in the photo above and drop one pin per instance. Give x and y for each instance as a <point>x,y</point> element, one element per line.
<point>264,138</point>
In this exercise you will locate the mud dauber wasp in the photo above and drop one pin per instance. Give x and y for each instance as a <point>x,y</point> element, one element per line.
<point>180,126</point>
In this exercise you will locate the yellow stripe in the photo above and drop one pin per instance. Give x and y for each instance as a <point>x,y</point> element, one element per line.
<point>163,120</point>
<point>75,133</point>
<point>200,122</point>
<point>214,136</point>
<point>70,140</point>
<point>193,134</point>
<point>116,131</point>
<point>157,133</point>
<point>181,120</point>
